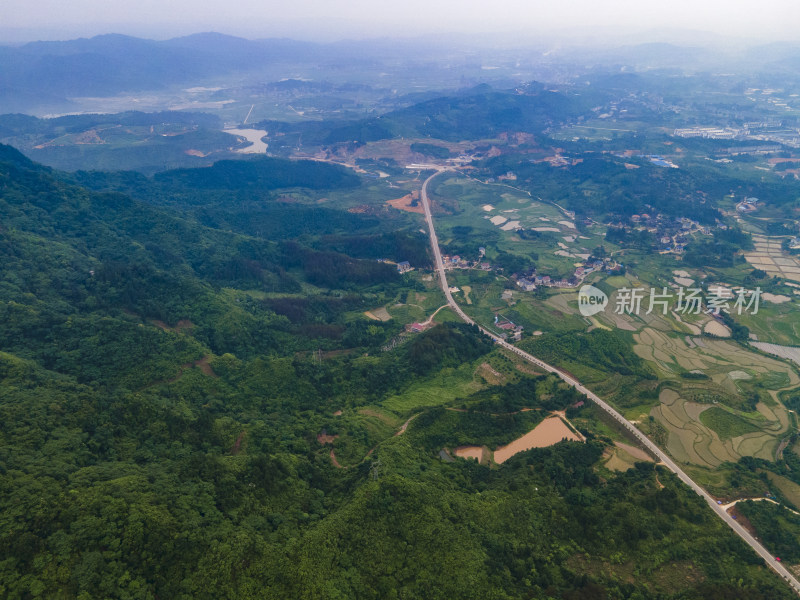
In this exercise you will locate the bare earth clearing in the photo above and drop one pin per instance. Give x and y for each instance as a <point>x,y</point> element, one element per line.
<point>547,433</point>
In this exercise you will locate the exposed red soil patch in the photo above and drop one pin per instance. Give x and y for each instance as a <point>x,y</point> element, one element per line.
<point>324,438</point>
<point>237,446</point>
<point>480,412</point>
<point>361,209</point>
<point>202,363</point>
<point>567,373</point>
<point>204,366</point>
<point>89,137</point>
<point>338,413</point>
<point>180,326</point>
<point>404,203</point>
<point>403,428</point>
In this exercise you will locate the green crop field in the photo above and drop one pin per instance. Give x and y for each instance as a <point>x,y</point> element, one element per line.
<point>443,388</point>
<point>727,425</point>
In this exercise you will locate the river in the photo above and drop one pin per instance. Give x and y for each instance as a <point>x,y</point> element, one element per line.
<point>251,135</point>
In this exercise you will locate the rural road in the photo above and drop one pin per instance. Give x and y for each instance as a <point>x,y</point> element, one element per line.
<point>641,437</point>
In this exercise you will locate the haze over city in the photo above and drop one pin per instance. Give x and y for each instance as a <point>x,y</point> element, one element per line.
<point>574,21</point>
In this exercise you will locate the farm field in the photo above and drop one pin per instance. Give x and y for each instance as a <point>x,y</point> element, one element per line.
<point>691,441</point>
<point>774,323</point>
<point>788,488</point>
<point>705,416</point>
<point>443,388</point>
<point>622,457</point>
<point>787,352</point>
<point>768,256</point>
<point>500,210</point>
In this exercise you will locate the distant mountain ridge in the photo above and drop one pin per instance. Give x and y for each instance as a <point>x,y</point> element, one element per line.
<point>51,72</point>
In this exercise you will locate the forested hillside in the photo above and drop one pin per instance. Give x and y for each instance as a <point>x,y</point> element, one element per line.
<point>170,383</point>
<point>472,114</point>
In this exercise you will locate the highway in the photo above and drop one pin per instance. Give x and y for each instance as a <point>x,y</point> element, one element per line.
<point>641,437</point>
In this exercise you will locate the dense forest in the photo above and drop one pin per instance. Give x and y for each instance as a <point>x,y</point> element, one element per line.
<point>602,186</point>
<point>164,381</point>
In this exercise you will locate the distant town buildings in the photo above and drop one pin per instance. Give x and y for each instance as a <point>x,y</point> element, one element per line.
<point>712,133</point>
<point>764,131</point>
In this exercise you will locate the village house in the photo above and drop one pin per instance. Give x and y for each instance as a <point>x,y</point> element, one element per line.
<point>526,284</point>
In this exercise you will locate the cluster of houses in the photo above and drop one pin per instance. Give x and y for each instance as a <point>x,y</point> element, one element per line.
<point>660,224</point>
<point>457,262</point>
<point>530,282</point>
<point>510,329</point>
<point>671,233</point>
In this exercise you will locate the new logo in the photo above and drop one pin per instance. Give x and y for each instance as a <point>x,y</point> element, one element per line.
<point>591,300</point>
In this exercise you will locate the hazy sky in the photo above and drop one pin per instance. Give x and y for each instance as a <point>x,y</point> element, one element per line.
<point>336,19</point>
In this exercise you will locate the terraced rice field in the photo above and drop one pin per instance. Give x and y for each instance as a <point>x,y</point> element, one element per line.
<point>787,352</point>
<point>673,354</point>
<point>708,439</point>
<point>690,441</point>
<point>768,256</point>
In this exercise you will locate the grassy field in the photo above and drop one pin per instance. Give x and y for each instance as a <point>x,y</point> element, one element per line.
<point>443,388</point>
<point>622,459</point>
<point>725,424</point>
<point>789,489</point>
<point>774,323</point>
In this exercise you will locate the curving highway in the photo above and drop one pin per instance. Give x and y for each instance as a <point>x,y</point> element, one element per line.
<point>641,437</point>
